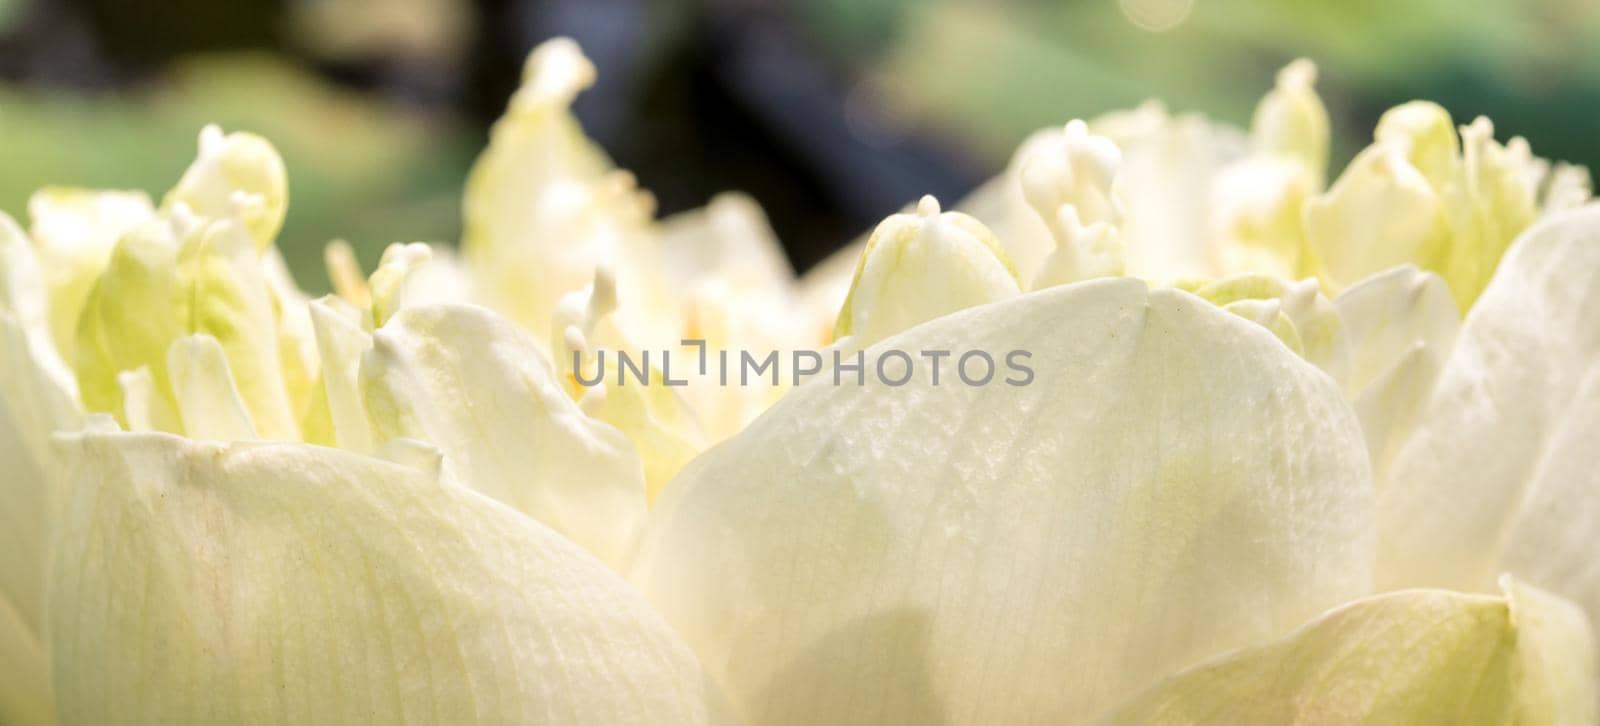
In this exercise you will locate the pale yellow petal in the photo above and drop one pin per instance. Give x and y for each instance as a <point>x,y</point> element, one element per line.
<point>920,266</point>
<point>474,385</point>
<point>1173,482</point>
<point>1499,473</point>
<point>1410,657</point>
<point>201,582</point>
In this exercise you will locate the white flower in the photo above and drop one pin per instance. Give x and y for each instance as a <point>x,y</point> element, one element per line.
<point>1284,453</point>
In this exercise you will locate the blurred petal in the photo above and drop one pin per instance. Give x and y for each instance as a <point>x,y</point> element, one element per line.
<point>37,397</point>
<point>475,386</point>
<point>225,294</point>
<point>1169,164</point>
<point>343,336</point>
<point>297,342</point>
<point>1417,656</point>
<point>74,231</point>
<point>1318,330</point>
<point>25,698</point>
<point>208,399</point>
<point>920,266</point>
<point>652,414</point>
<point>544,208</point>
<point>1381,213</point>
<point>1173,483</point>
<point>1402,324</point>
<point>284,583</point>
<point>1291,122</point>
<point>388,283</point>
<point>235,173</point>
<point>130,317</point>
<point>1499,473</point>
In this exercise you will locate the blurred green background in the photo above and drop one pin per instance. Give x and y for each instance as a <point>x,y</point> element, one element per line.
<point>832,113</point>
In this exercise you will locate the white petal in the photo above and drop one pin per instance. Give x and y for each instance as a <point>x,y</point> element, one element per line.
<point>471,383</point>
<point>208,400</point>
<point>1172,483</point>
<point>1402,324</point>
<point>1418,656</point>
<point>341,341</point>
<point>920,266</point>
<point>1500,473</point>
<point>24,673</point>
<point>285,583</point>
<point>75,230</point>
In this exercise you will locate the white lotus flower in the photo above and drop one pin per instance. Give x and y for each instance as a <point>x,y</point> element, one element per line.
<point>1282,453</point>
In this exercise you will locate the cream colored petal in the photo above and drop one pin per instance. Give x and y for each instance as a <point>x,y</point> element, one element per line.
<point>1382,212</point>
<point>75,230</point>
<point>1410,657</point>
<point>260,583</point>
<point>1550,538</point>
<point>130,317</point>
<point>1291,122</point>
<point>224,293</point>
<point>145,407</point>
<point>1318,331</point>
<point>1169,164</point>
<point>297,341</point>
<point>544,208</point>
<point>1257,217</point>
<point>388,283</point>
<point>1402,324</point>
<point>474,385</point>
<point>1499,472</point>
<point>729,239</point>
<point>37,398</point>
<point>25,698</point>
<point>238,173</point>
<point>1172,483</point>
<point>651,414</point>
<point>343,336</point>
<point>920,266</point>
<point>824,287</point>
<point>1000,204</point>
<point>208,399</point>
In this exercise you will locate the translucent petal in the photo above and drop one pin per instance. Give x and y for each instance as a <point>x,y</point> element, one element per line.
<point>37,398</point>
<point>1416,656</point>
<point>475,386</point>
<point>1172,483</point>
<point>544,208</point>
<point>1169,164</point>
<point>651,414</point>
<point>238,173</point>
<point>343,336</point>
<point>283,583</point>
<point>25,698</point>
<point>225,293</point>
<point>208,399</point>
<point>74,231</point>
<point>920,266</point>
<point>1402,324</point>
<point>1318,331</point>
<point>1382,212</point>
<point>388,283</point>
<point>130,317</point>
<point>1499,473</point>
<point>1290,121</point>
